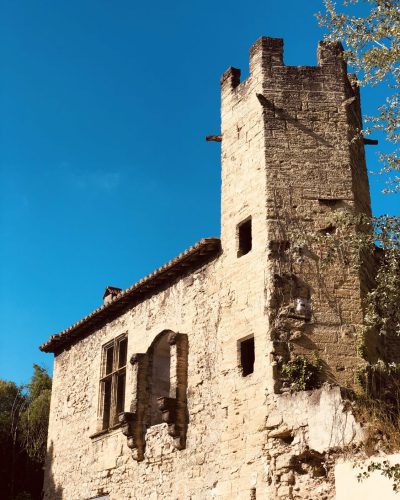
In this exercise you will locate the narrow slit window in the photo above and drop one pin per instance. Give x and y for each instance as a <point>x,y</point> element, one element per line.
<point>247,356</point>
<point>244,237</point>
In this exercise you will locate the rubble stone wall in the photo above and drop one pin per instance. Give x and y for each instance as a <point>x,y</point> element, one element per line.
<point>286,156</point>
<point>224,447</point>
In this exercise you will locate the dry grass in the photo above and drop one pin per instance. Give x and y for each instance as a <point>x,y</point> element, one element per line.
<point>380,415</point>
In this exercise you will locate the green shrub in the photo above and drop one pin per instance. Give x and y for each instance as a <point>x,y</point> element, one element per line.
<point>301,373</point>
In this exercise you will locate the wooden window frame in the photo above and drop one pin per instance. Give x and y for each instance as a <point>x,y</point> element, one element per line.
<point>108,412</point>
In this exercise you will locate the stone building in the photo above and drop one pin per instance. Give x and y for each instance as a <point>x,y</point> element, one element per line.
<point>173,388</point>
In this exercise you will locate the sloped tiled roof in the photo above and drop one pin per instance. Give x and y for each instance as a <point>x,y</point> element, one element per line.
<point>162,277</point>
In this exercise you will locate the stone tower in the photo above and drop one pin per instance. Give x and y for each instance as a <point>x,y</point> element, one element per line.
<point>173,388</point>
<point>288,161</point>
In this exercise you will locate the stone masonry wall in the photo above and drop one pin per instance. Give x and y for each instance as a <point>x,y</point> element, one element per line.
<point>241,439</point>
<point>299,124</point>
<point>287,159</point>
<point>224,450</point>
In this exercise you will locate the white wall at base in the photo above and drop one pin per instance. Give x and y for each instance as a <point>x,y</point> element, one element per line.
<point>376,487</point>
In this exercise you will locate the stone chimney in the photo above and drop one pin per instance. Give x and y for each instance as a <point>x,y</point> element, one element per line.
<point>110,292</point>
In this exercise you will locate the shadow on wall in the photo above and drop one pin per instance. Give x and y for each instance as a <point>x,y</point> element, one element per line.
<point>51,490</point>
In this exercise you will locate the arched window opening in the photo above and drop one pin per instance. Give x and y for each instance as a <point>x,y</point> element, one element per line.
<point>159,392</point>
<point>160,381</point>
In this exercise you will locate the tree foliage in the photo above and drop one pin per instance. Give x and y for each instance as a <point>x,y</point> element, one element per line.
<point>370,31</point>
<point>372,48</point>
<point>391,471</point>
<point>383,301</point>
<point>9,394</point>
<point>24,415</point>
<point>34,419</point>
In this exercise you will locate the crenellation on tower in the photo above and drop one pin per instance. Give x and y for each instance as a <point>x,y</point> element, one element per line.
<point>330,54</point>
<point>230,79</point>
<point>266,53</point>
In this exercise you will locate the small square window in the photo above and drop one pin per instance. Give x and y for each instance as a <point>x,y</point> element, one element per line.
<point>247,355</point>
<point>244,237</point>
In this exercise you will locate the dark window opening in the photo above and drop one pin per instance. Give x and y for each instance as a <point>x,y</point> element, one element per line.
<point>106,403</point>
<point>329,202</point>
<point>120,392</point>
<point>247,356</point>
<point>244,238</point>
<point>160,377</point>
<point>112,381</point>
<point>122,353</point>
<point>109,359</point>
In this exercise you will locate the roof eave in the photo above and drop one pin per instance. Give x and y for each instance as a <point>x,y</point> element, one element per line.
<point>162,277</point>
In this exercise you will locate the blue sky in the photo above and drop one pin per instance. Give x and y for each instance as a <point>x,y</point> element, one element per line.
<point>104,170</point>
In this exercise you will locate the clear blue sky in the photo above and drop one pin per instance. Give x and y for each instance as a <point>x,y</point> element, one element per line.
<point>104,170</point>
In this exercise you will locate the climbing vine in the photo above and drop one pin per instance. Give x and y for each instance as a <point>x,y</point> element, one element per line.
<point>362,243</point>
<point>352,239</point>
<point>302,373</point>
<point>391,471</point>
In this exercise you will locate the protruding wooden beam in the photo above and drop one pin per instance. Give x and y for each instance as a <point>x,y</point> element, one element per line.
<point>370,142</point>
<point>215,138</point>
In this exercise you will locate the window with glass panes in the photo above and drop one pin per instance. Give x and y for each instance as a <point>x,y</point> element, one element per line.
<point>112,381</point>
